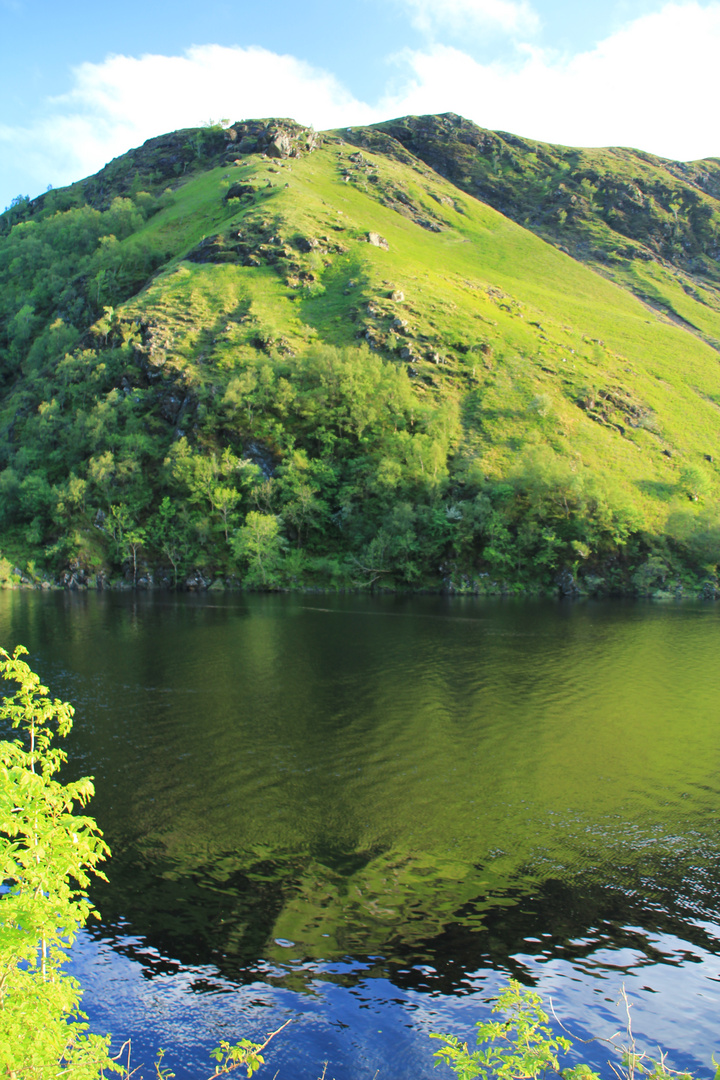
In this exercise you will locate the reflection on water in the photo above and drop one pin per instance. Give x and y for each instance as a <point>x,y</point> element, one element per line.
<point>367,812</point>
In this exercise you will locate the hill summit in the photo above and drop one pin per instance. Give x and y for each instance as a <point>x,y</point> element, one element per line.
<point>412,355</point>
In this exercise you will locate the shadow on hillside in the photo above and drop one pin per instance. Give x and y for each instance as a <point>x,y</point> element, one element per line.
<point>664,490</point>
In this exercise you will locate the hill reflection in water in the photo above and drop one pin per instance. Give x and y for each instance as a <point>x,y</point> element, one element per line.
<point>392,803</point>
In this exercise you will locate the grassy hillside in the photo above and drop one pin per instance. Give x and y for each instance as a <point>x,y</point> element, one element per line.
<point>652,225</point>
<point>265,356</point>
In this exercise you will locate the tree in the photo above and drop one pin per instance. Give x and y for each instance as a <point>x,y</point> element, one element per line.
<point>225,499</point>
<point>260,543</point>
<point>520,1047</point>
<point>134,540</point>
<point>47,852</point>
<point>170,537</point>
<point>211,479</point>
<point>694,482</point>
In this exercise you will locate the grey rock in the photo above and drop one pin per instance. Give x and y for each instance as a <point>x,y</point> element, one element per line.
<point>260,455</point>
<point>378,241</point>
<point>196,581</point>
<point>170,406</point>
<point>566,583</point>
<point>280,147</point>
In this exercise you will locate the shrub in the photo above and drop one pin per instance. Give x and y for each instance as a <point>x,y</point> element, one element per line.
<point>523,1046</point>
<point>47,852</point>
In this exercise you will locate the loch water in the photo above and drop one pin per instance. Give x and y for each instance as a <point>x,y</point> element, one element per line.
<point>365,813</point>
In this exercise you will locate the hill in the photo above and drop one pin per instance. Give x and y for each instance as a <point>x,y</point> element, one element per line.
<point>417,355</point>
<point>650,224</point>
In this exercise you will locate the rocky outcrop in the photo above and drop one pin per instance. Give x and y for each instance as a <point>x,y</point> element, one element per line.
<point>274,138</point>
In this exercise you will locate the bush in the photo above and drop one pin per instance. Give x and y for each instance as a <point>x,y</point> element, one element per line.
<point>47,852</point>
<point>523,1046</point>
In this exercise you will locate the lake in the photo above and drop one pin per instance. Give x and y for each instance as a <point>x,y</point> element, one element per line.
<point>366,813</point>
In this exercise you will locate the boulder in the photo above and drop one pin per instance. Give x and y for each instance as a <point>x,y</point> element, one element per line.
<point>280,147</point>
<point>378,241</point>
<point>196,581</point>
<point>566,583</point>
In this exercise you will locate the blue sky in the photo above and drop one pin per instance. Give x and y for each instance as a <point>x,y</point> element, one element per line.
<point>81,82</point>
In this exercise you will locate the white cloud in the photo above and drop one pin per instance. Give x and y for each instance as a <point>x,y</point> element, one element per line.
<point>652,85</point>
<point>121,102</point>
<point>164,91</point>
<point>509,16</point>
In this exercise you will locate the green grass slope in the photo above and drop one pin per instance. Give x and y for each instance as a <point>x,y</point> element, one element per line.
<point>651,224</point>
<point>265,356</point>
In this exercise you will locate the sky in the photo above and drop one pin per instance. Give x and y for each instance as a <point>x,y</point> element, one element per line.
<point>82,82</point>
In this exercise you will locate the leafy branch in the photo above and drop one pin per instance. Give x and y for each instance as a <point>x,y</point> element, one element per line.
<point>523,1046</point>
<point>245,1054</point>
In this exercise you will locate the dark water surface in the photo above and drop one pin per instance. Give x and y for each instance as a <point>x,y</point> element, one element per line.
<point>365,813</point>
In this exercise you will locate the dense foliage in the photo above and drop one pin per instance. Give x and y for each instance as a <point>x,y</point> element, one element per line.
<point>47,851</point>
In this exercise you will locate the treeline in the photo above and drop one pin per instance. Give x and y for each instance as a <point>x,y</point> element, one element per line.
<point>319,469</point>
<point>61,264</point>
